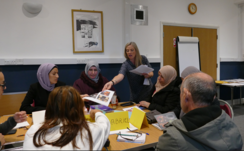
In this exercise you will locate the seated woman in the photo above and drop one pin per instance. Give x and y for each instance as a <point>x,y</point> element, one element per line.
<point>187,71</point>
<point>47,75</point>
<point>165,95</point>
<point>91,81</point>
<point>65,126</point>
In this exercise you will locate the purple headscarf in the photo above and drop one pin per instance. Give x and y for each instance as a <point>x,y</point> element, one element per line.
<point>43,76</point>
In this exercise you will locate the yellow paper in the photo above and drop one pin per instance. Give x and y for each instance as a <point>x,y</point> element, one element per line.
<point>220,82</point>
<point>88,118</point>
<point>138,117</point>
<point>118,120</point>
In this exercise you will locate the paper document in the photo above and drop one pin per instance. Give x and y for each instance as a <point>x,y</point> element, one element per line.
<point>132,137</point>
<point>38,117</point>
<point>132,128</point>
<point>142,69</point>
<point>22,124</point>
<point>103,97</point>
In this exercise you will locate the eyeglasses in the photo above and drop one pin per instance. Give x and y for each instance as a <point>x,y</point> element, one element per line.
<point>137,132</point>
<point>3,85</point>
<point>130,139</point>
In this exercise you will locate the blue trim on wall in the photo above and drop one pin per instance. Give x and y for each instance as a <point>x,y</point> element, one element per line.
<point>20,77</point>
<point>231,70</point>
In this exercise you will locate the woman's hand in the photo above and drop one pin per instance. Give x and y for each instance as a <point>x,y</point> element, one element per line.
<point>84,95</point>
<point>144,104</point>
<point>146,75</point>
<point>93,112</point>
<point>108,85</point>
<point>20,117</point>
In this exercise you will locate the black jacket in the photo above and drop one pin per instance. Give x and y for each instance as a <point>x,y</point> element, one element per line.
<point>39,95</point>
<point>166,99</point>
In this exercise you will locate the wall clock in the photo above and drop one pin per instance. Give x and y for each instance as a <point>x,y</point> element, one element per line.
<point>192,8</point>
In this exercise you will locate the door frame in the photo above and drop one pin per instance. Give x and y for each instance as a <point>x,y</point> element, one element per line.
<point>162,23</point>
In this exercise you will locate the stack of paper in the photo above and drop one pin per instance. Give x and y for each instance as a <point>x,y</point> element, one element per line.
<point>132,137</point>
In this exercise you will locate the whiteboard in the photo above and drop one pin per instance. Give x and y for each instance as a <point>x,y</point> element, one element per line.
<point>188,52</point>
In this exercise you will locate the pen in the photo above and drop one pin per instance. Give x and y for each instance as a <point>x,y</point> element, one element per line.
<point>20,135</point>
<point>126,135</point>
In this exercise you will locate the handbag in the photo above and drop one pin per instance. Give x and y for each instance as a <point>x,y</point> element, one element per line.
<point>150,116</point>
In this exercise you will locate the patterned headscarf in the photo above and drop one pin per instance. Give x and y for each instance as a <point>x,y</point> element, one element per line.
<point>169,74</point>
<point>89,65</point>
<point>43,76</point>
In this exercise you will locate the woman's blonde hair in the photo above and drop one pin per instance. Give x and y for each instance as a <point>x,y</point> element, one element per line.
<point>138,59</point>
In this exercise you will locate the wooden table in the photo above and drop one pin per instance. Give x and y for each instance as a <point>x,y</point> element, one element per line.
<point>13,137</point>
<point>151,139</point>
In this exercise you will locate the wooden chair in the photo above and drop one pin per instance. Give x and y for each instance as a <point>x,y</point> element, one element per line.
<point>10,103</point>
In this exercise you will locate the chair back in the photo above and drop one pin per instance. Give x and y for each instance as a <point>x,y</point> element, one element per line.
<point>11,102</point>
<point>227,108</point>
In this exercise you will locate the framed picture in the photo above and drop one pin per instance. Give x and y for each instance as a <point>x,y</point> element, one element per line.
<point>87,29</point>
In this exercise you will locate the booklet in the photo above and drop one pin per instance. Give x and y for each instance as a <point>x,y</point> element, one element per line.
<point>162,119</point>
<point>104,108</point>
<point>103,97</point>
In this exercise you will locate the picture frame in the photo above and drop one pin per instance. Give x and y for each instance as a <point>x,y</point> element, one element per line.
<point>87,31</point>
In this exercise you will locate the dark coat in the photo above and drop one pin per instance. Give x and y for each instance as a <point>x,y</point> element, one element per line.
<point>166,99</point>
<point>39,95</point>
<point>85,85</point>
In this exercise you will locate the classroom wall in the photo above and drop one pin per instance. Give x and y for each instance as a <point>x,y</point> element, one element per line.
<point>49,34</point>
<point>47,37</point>
<point>19,78</point>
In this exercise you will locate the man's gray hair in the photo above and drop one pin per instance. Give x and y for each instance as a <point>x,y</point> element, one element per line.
<point>202,91</point>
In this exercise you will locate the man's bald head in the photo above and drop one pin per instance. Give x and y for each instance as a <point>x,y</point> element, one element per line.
<point>201,86</point>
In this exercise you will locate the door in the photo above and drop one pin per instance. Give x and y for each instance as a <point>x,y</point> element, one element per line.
<point>208,46</point>
<point>208,50</point>
<point>169,53</point>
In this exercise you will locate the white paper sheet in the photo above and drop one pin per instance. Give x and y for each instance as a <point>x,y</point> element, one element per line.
<point>38,117</point>
<point>132,128</point>
<point>22,124</point>
<point>142,69</point>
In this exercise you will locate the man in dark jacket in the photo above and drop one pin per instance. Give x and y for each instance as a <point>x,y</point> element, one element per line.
<point>12,121</point>
<point>204,126</point>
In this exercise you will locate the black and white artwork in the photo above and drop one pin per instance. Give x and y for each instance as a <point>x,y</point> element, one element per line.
<point>87,31</point>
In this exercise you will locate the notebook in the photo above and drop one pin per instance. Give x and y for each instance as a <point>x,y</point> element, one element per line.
<point>135,137</point>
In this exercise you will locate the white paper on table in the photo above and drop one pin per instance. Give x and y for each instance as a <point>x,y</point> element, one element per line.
<point>132,128</point>
<point>142,69</point>
<point>38,117</point>
<point>22,124</point>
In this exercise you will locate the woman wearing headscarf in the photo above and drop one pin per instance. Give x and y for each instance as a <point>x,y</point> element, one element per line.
<point>47,76</point>
<point>165,95</point>
<point>91,81</point>
<point>187,71</point>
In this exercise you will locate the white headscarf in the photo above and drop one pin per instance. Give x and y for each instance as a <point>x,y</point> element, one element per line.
<point>89,65</point>
<point>169,74</point>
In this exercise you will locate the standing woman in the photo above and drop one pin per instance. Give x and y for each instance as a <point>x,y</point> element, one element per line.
<point>47,75</point>
<point>91,81</point>
<point>138,91</point>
